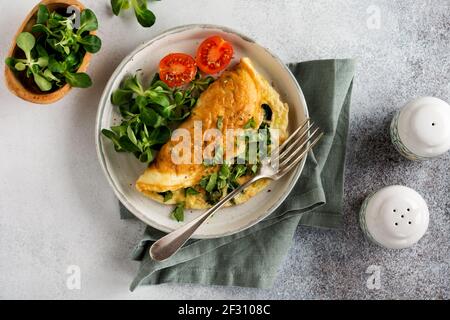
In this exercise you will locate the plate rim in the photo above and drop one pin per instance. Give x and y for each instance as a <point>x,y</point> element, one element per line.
<point>105,97</point>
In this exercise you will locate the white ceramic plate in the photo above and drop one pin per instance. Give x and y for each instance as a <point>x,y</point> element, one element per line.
<point>123,169</point>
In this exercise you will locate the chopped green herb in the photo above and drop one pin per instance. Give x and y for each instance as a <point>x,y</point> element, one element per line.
<point>250,124</point>
<point>190,192</point>
<point>204,182</point>
<point>239,171</point>
<point>213,197</point>
<point>167,195</point>
<point>220,122</point>
<point>178,212</point>
<point>225,171</point>
<point>211,182</point>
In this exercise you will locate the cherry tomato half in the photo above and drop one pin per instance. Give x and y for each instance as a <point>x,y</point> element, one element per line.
<point>214,54</point>
<point>177,69</point>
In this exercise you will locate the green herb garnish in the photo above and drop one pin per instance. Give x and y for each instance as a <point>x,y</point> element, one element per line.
<point>167,195</point>
<point>239,171</point>
<point>220,123</point>
<point>144,16</point>
<point>224,175</point>
<point>178,212</point>
<point>250,124</point>
<point>190,192</point>
<point>211,182</point>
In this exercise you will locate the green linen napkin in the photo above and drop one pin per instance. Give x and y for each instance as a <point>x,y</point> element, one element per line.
<point>252,257</point>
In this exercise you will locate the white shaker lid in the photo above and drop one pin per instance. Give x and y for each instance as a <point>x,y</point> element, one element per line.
<point>424,126</point>
<point>396,217</point>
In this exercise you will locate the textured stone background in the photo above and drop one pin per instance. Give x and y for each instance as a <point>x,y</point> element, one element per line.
<point>56,208</point>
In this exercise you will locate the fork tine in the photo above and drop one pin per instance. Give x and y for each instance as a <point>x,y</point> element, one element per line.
<point>292,135</point>
<point>292,154</point>
<point>276,152</point>
<point>285,170</point>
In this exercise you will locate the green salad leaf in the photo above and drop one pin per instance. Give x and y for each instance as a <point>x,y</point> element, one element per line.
<point>118,5</point>
<point>88,22</point>
<point>26,41</point>
<point>144,16</point>
<point>79,80</point>
<point>91,43</point>
<point>42,15</point>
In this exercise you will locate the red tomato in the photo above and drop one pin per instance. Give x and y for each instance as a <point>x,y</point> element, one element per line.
<point>177,69</point>
<point>214,54</point>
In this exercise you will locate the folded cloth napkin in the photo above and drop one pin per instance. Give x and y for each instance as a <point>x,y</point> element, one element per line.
<point>252,257</point>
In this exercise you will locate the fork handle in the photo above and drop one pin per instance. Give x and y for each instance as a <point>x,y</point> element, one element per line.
<point>165,247</point>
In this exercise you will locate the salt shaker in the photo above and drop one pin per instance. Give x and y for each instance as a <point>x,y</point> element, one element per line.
<point>394,217</point>
<point>421,129</point>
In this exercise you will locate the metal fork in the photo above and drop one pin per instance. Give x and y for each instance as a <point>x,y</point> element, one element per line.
<point>283,159</point>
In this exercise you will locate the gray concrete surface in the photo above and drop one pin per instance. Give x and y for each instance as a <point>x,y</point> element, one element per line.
<point>57,210</point>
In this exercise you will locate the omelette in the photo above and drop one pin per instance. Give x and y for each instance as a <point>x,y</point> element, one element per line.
<point>234,99</point>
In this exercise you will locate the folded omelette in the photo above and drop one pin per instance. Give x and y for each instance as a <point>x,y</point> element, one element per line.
<point>234,99</point>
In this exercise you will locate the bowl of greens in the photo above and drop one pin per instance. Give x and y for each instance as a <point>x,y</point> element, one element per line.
<point>51,51</point>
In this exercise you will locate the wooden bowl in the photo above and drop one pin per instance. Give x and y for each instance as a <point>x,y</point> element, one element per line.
<point>29,92</point>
